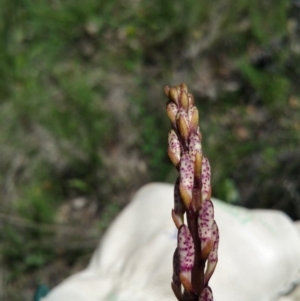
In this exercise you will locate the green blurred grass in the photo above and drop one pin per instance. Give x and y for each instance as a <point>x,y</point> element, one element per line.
<point>82,110</point>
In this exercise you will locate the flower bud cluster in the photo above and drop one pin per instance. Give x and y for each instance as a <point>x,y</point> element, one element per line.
<point>196,255</point>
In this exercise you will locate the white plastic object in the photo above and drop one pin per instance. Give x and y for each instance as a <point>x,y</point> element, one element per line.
<point>259,254</point>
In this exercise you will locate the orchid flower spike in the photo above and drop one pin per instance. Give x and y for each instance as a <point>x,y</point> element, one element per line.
<point>196,255</point>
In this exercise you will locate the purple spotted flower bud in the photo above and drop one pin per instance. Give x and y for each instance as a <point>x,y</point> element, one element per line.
<point>205,227</point>
<point>195,145</point>
<point>172,110</point>
<point>186,252</point>
<point>186,173</point>
<point>195,152</point>
<point>213,255</point>
<point>174,147</point>
<point>206,190</point>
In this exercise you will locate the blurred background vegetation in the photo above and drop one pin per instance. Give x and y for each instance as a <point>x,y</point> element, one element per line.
<point>83,123</point>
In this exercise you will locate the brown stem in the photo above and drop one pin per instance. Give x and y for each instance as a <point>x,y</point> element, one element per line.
<point>199,264</point>
<point>192,221</point>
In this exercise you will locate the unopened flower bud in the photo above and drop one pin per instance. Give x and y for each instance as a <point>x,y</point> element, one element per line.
<point>186,173</point>
<point>193,117</point>
<point>186,251</point>
<point>173,95</point>
<point>205,227</point>
<point>205,176</point>
<point>184,87</point>
<point>213,255</point>
<point>184,101</point>
<point>194,145</point>
<point>182,124</point>
<point>195,150</point>
<point>172,110</point>
<point>174,147</point>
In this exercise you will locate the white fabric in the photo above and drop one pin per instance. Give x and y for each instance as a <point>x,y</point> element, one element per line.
<point>259,254</point>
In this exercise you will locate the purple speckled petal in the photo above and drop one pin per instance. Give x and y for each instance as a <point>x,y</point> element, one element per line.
<point>205,227</point>
<point>206,295</point>
<point>172,110</point>
<point>174,147</point>
<point>213,256</point>
<point>186,250</point>
<point>205,176</point>
<point>186,173</point>
<point>195,145</point>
